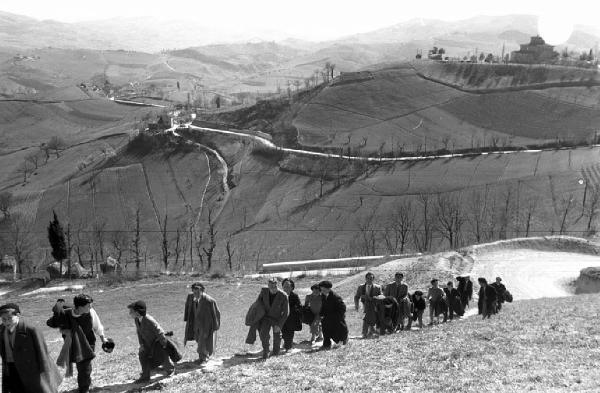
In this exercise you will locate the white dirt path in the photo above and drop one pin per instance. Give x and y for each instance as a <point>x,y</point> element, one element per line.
<point>531,274</point>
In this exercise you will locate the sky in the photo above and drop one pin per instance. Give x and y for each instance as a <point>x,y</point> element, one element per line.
<point>310,19</point>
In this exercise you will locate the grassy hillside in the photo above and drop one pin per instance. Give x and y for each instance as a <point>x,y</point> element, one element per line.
<point>536,345</point>
<point>531,346</point>
<point>397,111</point>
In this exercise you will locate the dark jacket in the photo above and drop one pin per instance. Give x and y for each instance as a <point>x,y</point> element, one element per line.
<point>453,300</point>
<point>500,291</point>
<point>294,320</point>
<point>333,311</point>
<point>489,295</point>
<point>81,348</point>
<point>279,310</point>
<point>419,305</point>
<point>37,370</point>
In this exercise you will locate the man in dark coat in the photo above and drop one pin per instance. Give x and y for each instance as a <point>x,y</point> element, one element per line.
<point>202,320</point>
<point>333,311</point>
<point>500,291</point>
<point>366,293</point>
<point>399,291</point>
<point>153,343</point>
<point>453,300</point>
<point>465,290</point>
<point>82,324</point>
<point>275,304</point>
<point>26,363</point>
<point>293,322</point>
<point>487,298</point>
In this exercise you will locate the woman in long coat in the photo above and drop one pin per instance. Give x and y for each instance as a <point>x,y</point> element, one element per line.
<point>333,311</point>
<point>203,319</point>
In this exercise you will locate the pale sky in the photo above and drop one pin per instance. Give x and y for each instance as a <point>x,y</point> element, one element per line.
<point>315,19</point>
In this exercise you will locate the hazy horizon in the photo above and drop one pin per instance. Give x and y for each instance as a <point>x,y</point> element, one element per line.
<point>312,20</point>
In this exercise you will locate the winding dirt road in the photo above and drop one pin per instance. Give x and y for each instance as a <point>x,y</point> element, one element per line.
<point>531,274</point>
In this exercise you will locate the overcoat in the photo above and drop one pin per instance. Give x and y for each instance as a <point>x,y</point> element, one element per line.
<point>37,370</point>
<point>205,319</point>
<point>294,320</point>
<point>489,296</point>
<point>453,299</point>
<point>333,311</point>
<point>368,301</point>
<point>277,312</point>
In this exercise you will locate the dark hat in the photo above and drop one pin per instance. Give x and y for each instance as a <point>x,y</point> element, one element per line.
<point>326,284</point>
<point>198,285</point>
<point>139,306</point>
<point>108,346</point>
<point>10,307</point>
<point>418,293</point>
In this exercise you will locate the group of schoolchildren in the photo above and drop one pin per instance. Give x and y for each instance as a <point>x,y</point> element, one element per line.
<point>27,366</point>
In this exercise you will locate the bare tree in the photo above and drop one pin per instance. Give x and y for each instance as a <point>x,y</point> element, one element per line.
<point>20,240</point>
<point>198,247</point>
<point>450,218</point>
<point>45,149</point>
<point>591,207</point>
<point>98,242</point>
<point>531,207</point>
<point>25,168</point>
<point>164,244</point>
<point>368,236</point>
<point>212,242</point>
<point>566,202</point>
<point>230,253</point>
<point>57,144</point>
<point>178,245</point>
<point>402,222</point>
<point>33,158</point>
<point>5,203</point>
<point>423,233</point>
<point>477,214</point>
<point>331,68</point>
<point>120,243</point>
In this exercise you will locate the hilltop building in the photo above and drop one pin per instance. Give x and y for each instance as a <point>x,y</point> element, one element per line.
<point>536,51</point>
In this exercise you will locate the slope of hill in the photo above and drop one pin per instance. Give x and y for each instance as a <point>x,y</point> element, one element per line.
<point>397,111</point>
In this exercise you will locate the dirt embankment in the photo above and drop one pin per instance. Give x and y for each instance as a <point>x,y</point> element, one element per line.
<point>493,78</point>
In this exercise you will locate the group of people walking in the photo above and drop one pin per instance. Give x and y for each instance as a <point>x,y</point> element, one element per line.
<point>27,366</point>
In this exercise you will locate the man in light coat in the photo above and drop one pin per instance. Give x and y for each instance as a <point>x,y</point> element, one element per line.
<point>26,363</point>
<point>153,343</point>
<point>203,319</point>
<point>366,293</point>
<point>275,303</point>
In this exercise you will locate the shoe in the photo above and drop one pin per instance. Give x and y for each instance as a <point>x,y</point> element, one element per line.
<point>265,355</point>
<point>170,372</point>
<point>319,339</point>
<point>142,379</point>
<point>345,341</point>
<point>324,348</point>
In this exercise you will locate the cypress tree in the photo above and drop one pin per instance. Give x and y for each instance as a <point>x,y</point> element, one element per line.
<point>56,236</point>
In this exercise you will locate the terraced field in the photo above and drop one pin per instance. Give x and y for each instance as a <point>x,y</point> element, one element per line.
<point>399,111</point>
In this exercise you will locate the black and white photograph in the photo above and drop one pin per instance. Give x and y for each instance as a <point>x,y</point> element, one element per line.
<point>299,196</point>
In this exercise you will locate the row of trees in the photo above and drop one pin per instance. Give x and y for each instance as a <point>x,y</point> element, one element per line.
<point>36,158</point>
<point>430,222</point>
